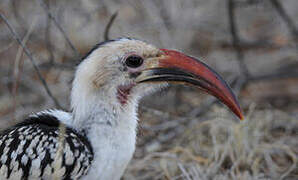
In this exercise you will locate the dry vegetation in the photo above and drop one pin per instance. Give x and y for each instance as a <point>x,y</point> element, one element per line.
<point>262,147</point>
<point>183,134</point>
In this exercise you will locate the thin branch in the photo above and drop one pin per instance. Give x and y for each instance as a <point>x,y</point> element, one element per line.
<point>290,23</point>
<point>28,53</point>
<point>16,12</point>
<point>235,37</point>
<point>17,65</point>
<point>254,45</point>
<point>239,82</point>
<point>7,47</point>
<point>45,7</point>
<point>203,108</point>
<point>272,76</point>
<point>109,25</point>
<point>247,3</point>
<point>48,39</point>
<point>64,66</point>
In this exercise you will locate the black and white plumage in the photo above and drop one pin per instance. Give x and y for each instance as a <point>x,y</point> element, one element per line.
<point>30,150</point>
<point>96,140</point>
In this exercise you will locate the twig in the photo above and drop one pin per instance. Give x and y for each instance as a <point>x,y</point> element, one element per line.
<point>28,53</point>
<point>277,75</point>
<point>278,6</point>
<point>203,109</point>
<point>246,3</point>
<point>48,39</point>
<point>64,66</point>
<point>254,45</point>
<point>45,7</point>
<point>235,37</point>
<point>109,25</point>
<point>240,83</point>
<point>7,47</point>
<point>16,12</point>
<point>17,65</point>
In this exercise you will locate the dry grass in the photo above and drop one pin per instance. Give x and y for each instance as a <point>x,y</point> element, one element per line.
<point>264,146</point>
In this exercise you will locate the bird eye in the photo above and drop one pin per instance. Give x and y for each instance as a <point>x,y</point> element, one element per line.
<point>134,61</point>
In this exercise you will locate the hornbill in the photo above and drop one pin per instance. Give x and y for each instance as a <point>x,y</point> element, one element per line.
<point>96,139</point>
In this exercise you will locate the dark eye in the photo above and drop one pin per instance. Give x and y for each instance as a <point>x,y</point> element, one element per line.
<point>134,61</point>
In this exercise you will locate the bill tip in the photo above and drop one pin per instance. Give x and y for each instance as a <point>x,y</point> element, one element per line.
<point>241,117</point>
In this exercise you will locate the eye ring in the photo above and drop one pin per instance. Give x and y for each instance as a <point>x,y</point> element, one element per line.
<point>134,61</point>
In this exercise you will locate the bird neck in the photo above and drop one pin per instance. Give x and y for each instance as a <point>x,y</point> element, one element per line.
<point>111,130</point>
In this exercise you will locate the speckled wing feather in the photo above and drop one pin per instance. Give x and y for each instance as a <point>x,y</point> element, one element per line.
<point>29,151</point>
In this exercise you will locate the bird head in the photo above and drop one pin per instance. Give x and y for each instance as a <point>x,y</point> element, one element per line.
<point>123,70</point>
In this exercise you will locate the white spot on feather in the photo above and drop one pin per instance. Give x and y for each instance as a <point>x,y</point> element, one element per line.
<point>3,158</point>
<point>24,159</point>
<point>3,170</point>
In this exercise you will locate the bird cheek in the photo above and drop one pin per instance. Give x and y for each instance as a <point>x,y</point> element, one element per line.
<point>98,84</point>
<point>101,78</point>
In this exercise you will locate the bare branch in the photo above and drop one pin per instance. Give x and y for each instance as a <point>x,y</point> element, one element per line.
<point>28,53</point>
<point>17,65</point>
<point>246,3</point>
<point>45,7</point>
<point>7,47</point>
<point>235,37</point>
<point>16,12</point>
<point>109,25</point>
<point>254,45</point>
<point>276,75</point>
<point>290,23</point>
<point>237,82</point>
<point>48,39</point>
<point>203,108</point>
<point>64,66</point>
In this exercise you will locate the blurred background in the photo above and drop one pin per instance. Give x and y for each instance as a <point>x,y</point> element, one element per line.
<point>183,133</point>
